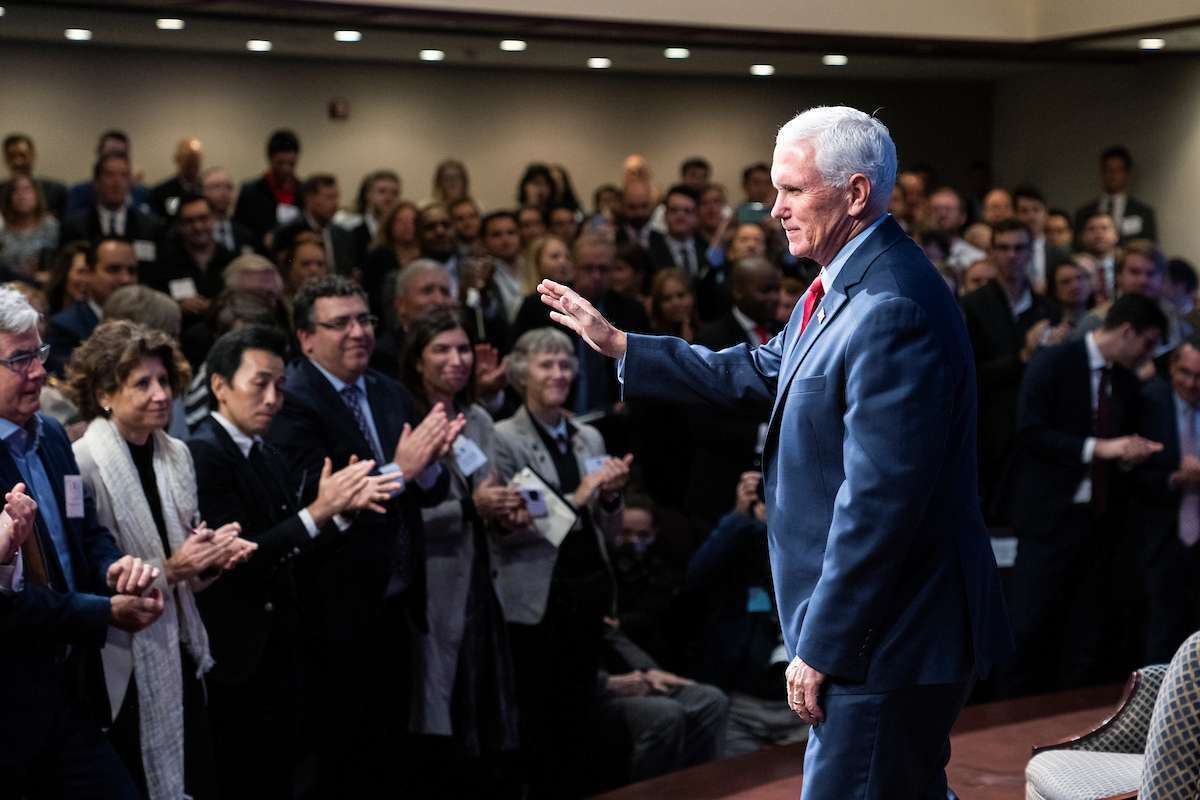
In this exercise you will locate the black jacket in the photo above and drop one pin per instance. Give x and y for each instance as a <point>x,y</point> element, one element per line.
<point>139,227</point>
<point>255,209</point>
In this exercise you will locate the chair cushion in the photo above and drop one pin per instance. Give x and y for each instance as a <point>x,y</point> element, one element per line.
<point>1081,775</point>
<point>1173,746</point>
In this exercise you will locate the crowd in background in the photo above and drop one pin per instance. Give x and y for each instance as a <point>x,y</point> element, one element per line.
<point>394,528</point>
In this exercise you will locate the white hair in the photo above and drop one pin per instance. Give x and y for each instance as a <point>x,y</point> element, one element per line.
<point>16,314</point>
<point>846,141</point>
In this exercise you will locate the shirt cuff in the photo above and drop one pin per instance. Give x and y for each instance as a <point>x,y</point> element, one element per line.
<point>342,523</point>
<point>1089,449</point>
<point>310,525</point>
<point>621,369</point>
<point>12,576</point>
<point>393,467</point>
<point>429,476</point>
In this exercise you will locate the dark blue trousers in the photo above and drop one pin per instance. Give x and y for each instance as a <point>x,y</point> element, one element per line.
<point>888,746</point>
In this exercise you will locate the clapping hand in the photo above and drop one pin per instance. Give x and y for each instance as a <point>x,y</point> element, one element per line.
<point>490,370</point>
<point>16,522</point>
<point>131,575</point>
<point>420,446</point>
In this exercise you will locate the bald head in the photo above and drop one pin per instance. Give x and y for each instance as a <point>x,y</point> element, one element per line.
<point>755,287</point>
<point>189,155</point>
<point>636,169</point>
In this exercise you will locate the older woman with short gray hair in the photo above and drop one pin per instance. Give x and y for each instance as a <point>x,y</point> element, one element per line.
<point>555,599</point>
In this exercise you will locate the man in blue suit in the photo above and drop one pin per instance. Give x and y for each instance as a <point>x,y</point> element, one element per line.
<point>887,590</point>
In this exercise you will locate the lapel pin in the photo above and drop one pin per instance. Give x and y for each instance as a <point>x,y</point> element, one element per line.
<point>821,316</point>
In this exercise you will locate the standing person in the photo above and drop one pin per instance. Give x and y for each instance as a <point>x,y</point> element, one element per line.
<point>887,589</point>
<point>63,583</point>
<point>365,597</point>
<point>468,716</point>
<point>122,380</point>
<point>29,232</point>
<point>253,615</point>
<point>263,203</point>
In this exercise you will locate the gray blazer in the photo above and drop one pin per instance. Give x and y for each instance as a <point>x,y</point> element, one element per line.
<point>523,569</point>
<point>449,555</point>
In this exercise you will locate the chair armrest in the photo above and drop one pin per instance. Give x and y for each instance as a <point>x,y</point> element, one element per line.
<point>1080,741</point>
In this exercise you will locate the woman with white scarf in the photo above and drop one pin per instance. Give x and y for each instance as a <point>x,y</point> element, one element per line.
<point>123,380</point>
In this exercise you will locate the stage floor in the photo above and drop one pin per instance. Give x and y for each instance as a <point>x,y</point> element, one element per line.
<point>990,747</point>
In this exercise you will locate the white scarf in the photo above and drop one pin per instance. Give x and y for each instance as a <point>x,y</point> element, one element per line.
<point>122,507</point>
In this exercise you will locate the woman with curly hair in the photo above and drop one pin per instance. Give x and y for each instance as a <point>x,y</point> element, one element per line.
<point>123,380</point>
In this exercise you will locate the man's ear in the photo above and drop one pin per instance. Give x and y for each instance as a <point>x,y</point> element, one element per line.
<point>860,194</point>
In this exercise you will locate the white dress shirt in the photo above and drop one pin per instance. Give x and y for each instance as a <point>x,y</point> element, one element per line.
<point>112,223</point>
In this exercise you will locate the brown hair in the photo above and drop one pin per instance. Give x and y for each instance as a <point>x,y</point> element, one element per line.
<point>9,211</point>
<point>104,361</point>
<point>661,279</point>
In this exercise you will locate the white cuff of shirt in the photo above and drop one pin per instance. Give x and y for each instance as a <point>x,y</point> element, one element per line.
<point>12,576</point>
<point>621,369</point>
<point>1089,449</point>
<point>310,524</point>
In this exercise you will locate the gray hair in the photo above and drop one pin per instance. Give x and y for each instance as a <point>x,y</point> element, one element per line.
<point>145,306</point>
<point>412,271</point>
<point>534,342</point>
<point>16,314</point>
<point>846,141</point>
<point>247,262</point>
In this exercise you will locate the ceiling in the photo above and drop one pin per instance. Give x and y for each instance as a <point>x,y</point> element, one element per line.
<point>305,30</point>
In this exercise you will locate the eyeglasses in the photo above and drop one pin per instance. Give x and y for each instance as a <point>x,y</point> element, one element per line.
<point>343,323</point>
<point>21,362</point>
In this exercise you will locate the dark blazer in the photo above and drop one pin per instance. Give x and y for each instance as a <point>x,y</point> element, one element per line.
<point>661,256</point>
<point>344,258</point>
<point>724,444</point>
<point>241,609</point>
<point>139,227</point>
<point>1054,419</point>
<point>345,581</point>
<point>168,193</point>
<point>39,623</point>
<point>361,236</point>
<point>883,571</point>
<point>1146,224</point>
<point>255,209</point>
<point>54,193</point>
<point>997,340</point>
<point>175,263</point>
<point>243,238</point>
<point>66,330</point>
<point>83,195</point>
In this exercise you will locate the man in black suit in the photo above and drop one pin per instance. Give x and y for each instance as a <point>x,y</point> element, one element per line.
<point>319,198</point>
<point>637,208</point>
<point>267,202</point>
<point>365,593</point>
<point>1078,407</point>
<point>191,261</point>
<point>1133,218</point>
<point>421,286</point>
<point>1007,323</point>
<point>164,198</point>
<point>63,582</point>
<point>111,216</point>
<point>19,156</point>
<point>1031,212</point>
<point>379,192</point>
<point>111,265</point>
<point>728,444</point>
<point>253,619</point>
<point>217,188</point>
<point>596,386</point>
<point>681,246</point>
<point>1165,522</point>
<point>83,195</point>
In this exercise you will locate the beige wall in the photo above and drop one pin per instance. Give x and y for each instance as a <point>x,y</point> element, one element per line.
<point>1050,129</point>
<point>408,118</point>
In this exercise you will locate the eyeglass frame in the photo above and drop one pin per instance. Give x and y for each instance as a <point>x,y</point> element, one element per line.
<point>41,354</point>
<point>342,324</point>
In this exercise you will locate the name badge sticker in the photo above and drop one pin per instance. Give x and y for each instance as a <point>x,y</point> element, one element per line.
<point>468,456</point>
<point>594,463</point>
<point>144,250</point>
<point>73,493</point>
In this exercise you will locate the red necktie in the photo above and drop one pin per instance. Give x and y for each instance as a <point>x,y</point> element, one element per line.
<point>762,333</point>
<point>815,293</point>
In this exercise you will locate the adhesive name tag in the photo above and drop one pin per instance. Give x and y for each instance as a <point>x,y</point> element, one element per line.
<point>594,463</point>
<point>182,288</point>
<point>73,493</point>
<point>144,250</point>
<point>468,456</point>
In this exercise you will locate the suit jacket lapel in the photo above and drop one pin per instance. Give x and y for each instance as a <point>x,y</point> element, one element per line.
<point>386,411</point>
<point>540,458</point>
<point>326,398</point>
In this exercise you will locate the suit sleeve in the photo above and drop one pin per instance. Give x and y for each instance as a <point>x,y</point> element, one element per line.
<point>1001,370</point>
<point>298,433</point>
<point>899,394</point>
<point>1035,415</point>
<point>668,369</point>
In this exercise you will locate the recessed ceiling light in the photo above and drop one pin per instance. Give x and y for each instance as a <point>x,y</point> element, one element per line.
<point>258,46</point>
<point>78,34</point>
<point>1151,44</point>
<point>513,46</point>
<point>168,24</point>
<point>762,70</point>
<point>835,60</point>
<point>348,36</point>
<point>677,52</point>
<point>432,55</point>
<point>599,63</point>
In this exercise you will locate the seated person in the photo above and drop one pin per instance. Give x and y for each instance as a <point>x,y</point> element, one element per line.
<point>111,265</point>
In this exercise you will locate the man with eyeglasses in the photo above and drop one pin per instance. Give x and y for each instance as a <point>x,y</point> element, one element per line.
<point>112,263</point>
<point>61,587</point>
<point>189,269</point>
<point>1007,324</point>
<point>366,591</point>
